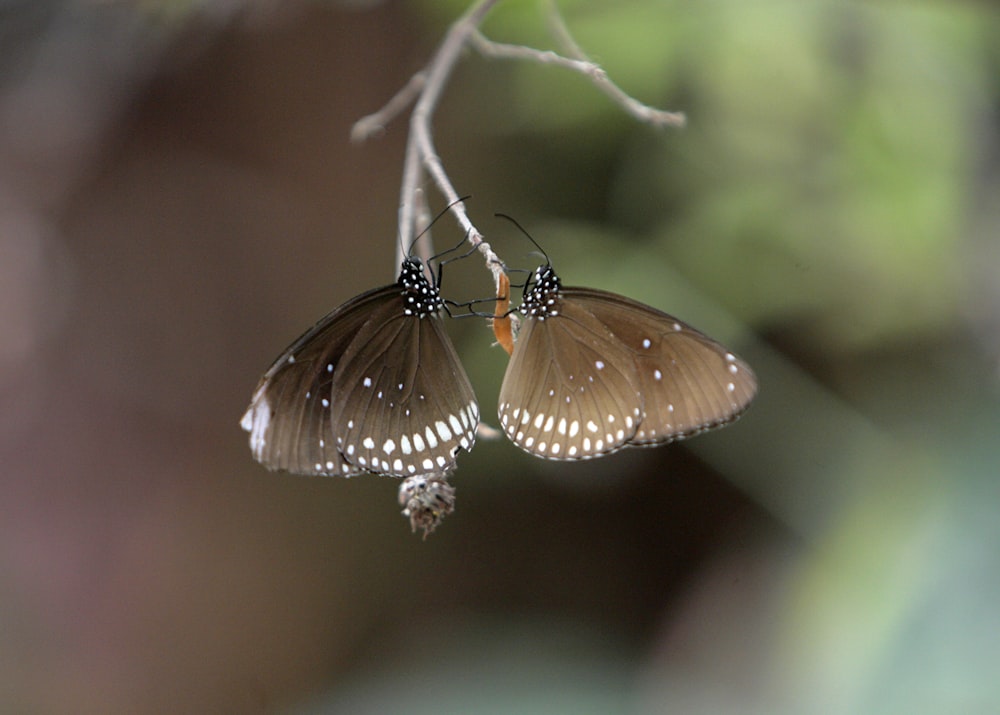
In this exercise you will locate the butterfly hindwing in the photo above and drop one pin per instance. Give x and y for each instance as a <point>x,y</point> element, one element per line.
<point>407,405</point>
<point>569,392</point>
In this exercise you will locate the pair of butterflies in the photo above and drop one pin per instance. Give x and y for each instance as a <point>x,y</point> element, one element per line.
<point>376,386</point>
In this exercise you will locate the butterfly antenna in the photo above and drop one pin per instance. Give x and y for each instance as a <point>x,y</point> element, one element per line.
<point>434,220</point>
<point>527,235</point>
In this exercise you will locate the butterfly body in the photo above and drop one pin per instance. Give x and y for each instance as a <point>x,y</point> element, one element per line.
<point>375,386</point>
<point>593,372</point>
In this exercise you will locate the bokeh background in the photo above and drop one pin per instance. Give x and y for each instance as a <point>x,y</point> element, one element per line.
<point>179,199</point>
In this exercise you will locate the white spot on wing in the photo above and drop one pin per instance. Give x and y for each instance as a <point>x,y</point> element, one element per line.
<point>256,421</point>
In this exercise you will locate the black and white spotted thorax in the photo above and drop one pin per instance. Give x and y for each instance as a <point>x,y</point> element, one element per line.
<point>541,295</point>
<point>420,297</point>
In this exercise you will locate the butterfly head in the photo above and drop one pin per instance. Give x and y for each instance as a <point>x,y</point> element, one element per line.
<point>420,296</point>
<point>541,294</point>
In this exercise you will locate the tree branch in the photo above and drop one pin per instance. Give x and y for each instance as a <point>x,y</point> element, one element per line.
<point>424,90</point>
<point>591,70</point>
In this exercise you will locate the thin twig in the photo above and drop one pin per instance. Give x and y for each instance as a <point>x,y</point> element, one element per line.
<point>576,61</point>
<point>501,50</point>
<point>642,112</point>
<point>376,122</point>
<point>561,33</point>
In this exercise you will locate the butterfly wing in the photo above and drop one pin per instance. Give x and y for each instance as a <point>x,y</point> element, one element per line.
<point>689,383</point>
<point>289,414</point>
<point>569,391</point>
<point>406,405</point>
<point>601,372</point>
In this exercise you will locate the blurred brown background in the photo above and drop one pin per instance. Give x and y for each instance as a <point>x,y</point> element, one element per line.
<point>178,200</point>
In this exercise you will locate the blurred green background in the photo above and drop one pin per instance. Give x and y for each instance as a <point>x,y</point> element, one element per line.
<point>178,200</point>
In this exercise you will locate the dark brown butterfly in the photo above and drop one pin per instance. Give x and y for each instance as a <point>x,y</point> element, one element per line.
<point>593,372</point>
<point>375,386</point>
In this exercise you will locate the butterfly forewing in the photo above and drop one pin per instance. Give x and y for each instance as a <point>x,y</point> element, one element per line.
<point>408,407</point>
<point>689,382</point>
<point>289,416</point>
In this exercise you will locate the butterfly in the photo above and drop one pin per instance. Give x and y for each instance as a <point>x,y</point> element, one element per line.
<point>592,372</point>
<point>375,386</point>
